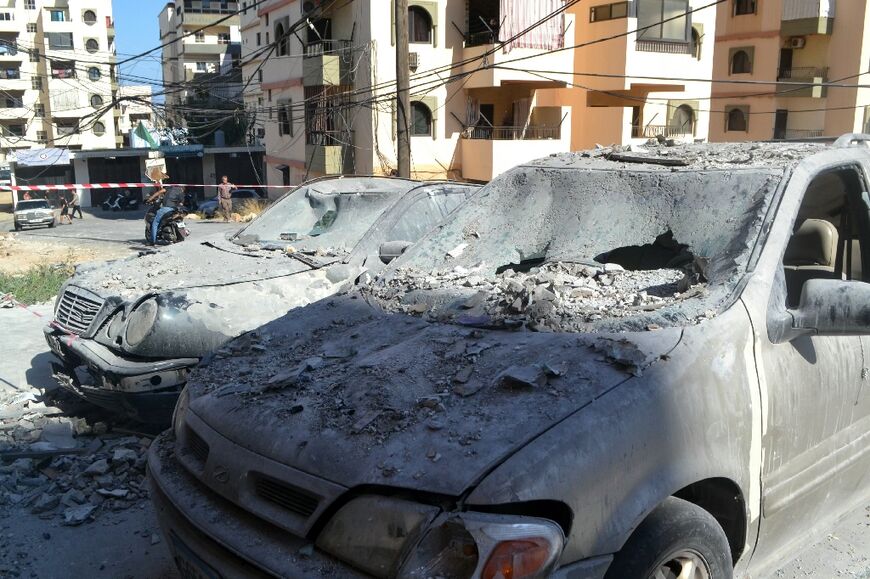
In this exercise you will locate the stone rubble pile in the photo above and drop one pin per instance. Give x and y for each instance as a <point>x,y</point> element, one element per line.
<point>550,297</point>
<point>65,468</point>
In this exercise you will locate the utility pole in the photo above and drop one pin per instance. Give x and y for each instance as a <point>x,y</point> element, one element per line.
<point>403,98</point>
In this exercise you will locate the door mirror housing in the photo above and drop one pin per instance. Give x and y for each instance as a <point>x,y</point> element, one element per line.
<point>390,250</point>
<point>829,307</point>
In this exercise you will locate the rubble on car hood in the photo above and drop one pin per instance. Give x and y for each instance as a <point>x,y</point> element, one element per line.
<point>212,262</point>
<point>356,395</point>
<point>560,296</point>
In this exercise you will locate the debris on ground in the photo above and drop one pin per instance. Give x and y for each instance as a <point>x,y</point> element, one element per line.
<point>557,296</point>
<point>65,468</point>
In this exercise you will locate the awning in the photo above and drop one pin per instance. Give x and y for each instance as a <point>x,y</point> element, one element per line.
<point>42,157</point>
<point>182,151</point>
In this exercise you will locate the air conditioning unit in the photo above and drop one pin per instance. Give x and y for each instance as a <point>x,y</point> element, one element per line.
<point>413,60</point>
<point>797,42</point>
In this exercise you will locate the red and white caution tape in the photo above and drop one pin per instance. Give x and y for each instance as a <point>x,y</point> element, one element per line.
<point>10,299</point>
<point>122,186</point>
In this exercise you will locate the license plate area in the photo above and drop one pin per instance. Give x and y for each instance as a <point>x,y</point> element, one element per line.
<point>190,566</point>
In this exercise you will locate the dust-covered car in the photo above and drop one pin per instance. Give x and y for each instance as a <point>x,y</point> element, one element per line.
<point>33,213</point>
<point>605,364</point>
<point>240,199</point>
<point>135,327</point>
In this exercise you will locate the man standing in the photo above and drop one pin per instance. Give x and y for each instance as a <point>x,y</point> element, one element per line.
<point>74,204</point>
<point>225,197</point>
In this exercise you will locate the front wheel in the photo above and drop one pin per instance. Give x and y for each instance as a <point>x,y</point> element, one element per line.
<point>678,540</point>
<point>51,225</point>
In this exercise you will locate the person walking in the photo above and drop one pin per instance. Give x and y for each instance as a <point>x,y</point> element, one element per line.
<point>64,210</point>
<point>225,197</point>
<point>74,203</point>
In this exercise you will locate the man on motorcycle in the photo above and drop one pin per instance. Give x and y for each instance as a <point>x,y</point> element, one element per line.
<point>161,203</point>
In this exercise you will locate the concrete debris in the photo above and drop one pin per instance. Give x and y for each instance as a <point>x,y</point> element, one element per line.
<point>557,296</point>
<point>77,515</point>
<point>532,376</point>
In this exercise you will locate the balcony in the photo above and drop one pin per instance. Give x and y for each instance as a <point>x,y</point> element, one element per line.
<point>330,152</point>
<point>199,19</point>
<point>199,48</point>
<point>489,151</point>
<point>9,51</point>
<point>328,63</point>
<point>666,131</point>
<point>10,26</point>
<point>812,76</point>
<point>805,17</point>
<point>800,134</point>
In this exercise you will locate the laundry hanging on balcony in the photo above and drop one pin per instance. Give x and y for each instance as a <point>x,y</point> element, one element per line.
<point>518,16</point>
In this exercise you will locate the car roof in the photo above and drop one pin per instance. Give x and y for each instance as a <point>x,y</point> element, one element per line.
<point>688,156</point>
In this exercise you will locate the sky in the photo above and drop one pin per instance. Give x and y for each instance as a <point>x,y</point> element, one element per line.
<point>136,30</point>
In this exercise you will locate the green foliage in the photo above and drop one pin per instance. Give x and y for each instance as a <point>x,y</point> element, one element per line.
<point>37,284</point>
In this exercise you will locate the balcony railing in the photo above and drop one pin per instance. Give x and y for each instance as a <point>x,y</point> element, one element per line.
<point>798,134</point>
<point>210,7</point>
<point>664,47</point>
<point>481,38</point>
<point>666,131</point>
<point>802,72</point>
<point>513,133</point>
<point>328,46</point>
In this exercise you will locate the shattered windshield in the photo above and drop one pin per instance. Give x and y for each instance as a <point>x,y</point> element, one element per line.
<point>573,249</point>
<point>330,215</point>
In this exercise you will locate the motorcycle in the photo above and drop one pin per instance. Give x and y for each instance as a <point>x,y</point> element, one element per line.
<point>121,202</point>
<point>164,225</point>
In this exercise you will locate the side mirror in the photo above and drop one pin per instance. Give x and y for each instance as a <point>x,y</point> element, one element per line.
<point>392,249</point>
<point>832,307</point>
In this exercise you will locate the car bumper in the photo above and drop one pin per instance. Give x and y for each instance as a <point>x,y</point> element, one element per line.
<point>143,390</point>
<point>210,537</point>
<point>32,222</point>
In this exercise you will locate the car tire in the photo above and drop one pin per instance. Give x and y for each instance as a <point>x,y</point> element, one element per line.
<point>17,227</point>
<point>677,533</point>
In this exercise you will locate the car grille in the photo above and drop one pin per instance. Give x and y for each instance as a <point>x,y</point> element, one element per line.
<point>286,496</point>
<point>197,447</point>
<point>77,309</point>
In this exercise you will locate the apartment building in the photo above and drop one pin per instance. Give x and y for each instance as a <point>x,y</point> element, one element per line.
<point>57,75</point>
<point>629,68</point>
<point>328,88</point>
<point>255,48</point>
<point>799,44</point>
<point>202,68</point>
<point>135,106</point>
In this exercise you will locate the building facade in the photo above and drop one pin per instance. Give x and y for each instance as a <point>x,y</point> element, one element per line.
<point>57,75</point>
<point>799,44</point>
<point>135,107</point>
<point>201,62</point>
<point>328,86</point>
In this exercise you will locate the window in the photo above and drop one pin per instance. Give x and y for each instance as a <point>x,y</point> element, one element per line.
<point>31,27</point>
<point>41,136</point>
<point>737,119</point>
<point>683,121</point>
<point>282,41</point>
<point>223,38</point>
<point>91,45</point>
<point>99,128</point>
<point>96,100</point>
<point>34,55</point>
<point>12,130</point>
<point>63,69</point>
<point>94,73</point>
<point>421,120</point>
<point>608,11</point>
<point>745,7</point>
<point>199,36</point>
<point>39,110</point>
<point>651,16</point>
<point>58,16</point>
<point>285,118</point>
<point>60,40</point>
<point>258,39</point>
<point>267,38</point>
<point>260,75</point>
<point>89,16</point>
<point>30,4</point>
<point>741,61</point>
<point>200,67</point>
<point>419,26</point>
<point>36,83</point>
<point>5,16</point>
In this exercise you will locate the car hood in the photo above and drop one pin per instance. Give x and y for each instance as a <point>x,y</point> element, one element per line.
<point>355,395</point>
<point>211,262</point>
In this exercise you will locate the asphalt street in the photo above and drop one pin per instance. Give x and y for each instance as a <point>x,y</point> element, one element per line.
<point>127,544</point>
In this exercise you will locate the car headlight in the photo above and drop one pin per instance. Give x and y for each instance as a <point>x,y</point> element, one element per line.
<point>140,322</point>
<point>392,537</point>
<point>180,412</point>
